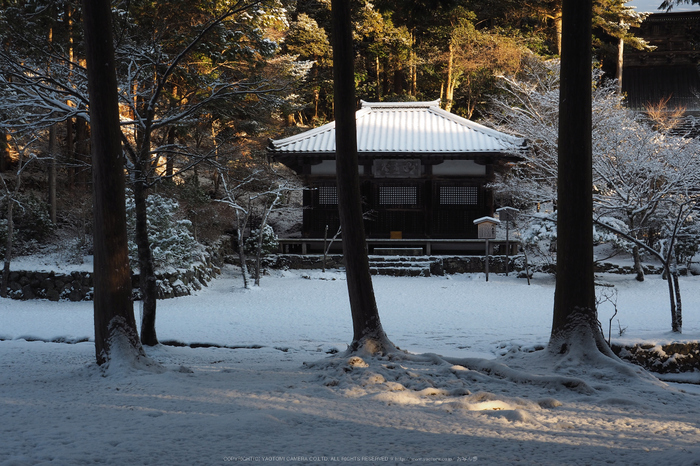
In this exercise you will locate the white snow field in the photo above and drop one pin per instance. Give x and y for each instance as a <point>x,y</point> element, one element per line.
<point>276,394</point>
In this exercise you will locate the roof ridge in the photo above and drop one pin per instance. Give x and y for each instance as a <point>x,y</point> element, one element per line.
<point>422,104</point>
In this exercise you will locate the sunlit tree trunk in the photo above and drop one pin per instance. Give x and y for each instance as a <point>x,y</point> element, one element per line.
<point>379,78</point>
<point>449,82</point>
<point>620,62</point>
<point>557,17</point>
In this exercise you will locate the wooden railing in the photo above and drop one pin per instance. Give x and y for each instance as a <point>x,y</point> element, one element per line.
<point>429,246</point>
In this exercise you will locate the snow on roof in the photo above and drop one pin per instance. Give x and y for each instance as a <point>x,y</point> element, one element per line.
<point>405,127</point>
<point>481,220</point>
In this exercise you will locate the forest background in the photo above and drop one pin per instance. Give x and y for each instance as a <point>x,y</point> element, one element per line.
<point>204,85</point>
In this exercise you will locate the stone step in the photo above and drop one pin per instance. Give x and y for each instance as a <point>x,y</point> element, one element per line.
<point>399,251</point>
<point>400,266</point>
<point>420,258</point>
<point>400,263</point>
<point>401,271</point>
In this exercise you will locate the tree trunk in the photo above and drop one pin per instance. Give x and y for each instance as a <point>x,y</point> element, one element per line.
<point>258,249</point>
<point>671,296</point>
<point>679,306</point>
<point>575,319</point>
<point>115,327</point>
<point>620,62</point>
<point>368,333</point>
<point>147,276</point>
<point>70,152</point>
<point>558,27</point>
<point>638,268</point>
<point>8,247</point>
<point>414,67</point>
<point>82,151</point>
<point>241,221</point>
<point>377,70</point>
<point>4,150</point>
<point>68,18</point>
<point>52,174</point>
<point>449,85</point>
<point>170,158</point>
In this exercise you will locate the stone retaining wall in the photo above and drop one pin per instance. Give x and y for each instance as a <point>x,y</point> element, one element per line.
<point>442,265</point>
<point>664,359</point>
<point>77,286</point>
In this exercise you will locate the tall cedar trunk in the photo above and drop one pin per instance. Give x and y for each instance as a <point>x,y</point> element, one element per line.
<point>620,62</point>
<point>52,174</point>
<point>113,308</point>
<point>217,174</point>
<point>147,276</point>
<point>8,247</point>
<point>378,72</point>
<point>558,27</point>
<point>51,152</point>
<point>385,77</point>
<point>367,328</point>
<point>68,18</point>
<point>449,85</point>
<point>82,150</point>
<point>575,318</point>
<point>170,157</point>
<point>414,66</point>
<point>70,151</point>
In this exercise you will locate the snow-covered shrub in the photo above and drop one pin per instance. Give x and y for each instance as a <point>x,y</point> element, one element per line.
<point>602,235</point>
<point>539,238</point>
<point>3,236</point>
<point>32,223</point>
<point>172,243</point>
<point>74,250</point>
<point>270,244</point>
<point>32,219</point>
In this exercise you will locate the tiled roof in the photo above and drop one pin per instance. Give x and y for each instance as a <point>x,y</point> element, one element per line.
<point>405,127</point>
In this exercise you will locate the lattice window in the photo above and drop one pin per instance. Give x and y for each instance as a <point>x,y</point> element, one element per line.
<point>398,195</point>
<point>459,195</point>
<point>327,195</point>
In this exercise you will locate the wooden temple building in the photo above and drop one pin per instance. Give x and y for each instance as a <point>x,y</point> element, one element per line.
<point>670,71</point>
<point>423,174</point>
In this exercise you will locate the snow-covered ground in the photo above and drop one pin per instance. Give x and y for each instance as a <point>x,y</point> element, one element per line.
<point>277,395</point>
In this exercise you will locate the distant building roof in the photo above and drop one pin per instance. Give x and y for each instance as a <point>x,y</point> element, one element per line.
<point>405,127</point>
